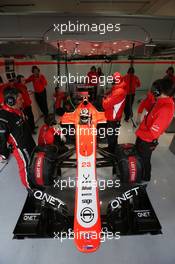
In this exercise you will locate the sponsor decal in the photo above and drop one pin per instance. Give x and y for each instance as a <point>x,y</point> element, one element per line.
<point>29,217</point>
<point>87,215</point>
<point>132,168</point>
<point>116,203</point>
<point>39,195</point>
<point>143,213</point>
<point>39,168</point>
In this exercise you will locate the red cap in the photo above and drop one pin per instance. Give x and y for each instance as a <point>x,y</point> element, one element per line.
<point>118,78</point>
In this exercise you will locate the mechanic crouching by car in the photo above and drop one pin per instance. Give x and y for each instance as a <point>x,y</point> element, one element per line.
<point>113,105</point>
<point>51,134</point>
<point>155,123</point>
<point>15,132</point>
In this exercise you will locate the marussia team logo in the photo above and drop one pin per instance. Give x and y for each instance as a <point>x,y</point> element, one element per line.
<point>87,215</point>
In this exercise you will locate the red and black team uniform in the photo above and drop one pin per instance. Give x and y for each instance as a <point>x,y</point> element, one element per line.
<point>27,104</point>
<point>60,99</point>
<point>146,103</point>
<point>51,135</point>
<point>48,135</point>
<point>14,130</point>
<point>153,125</point>
<point>114,105</point>
<point>132,82</point>
<point>39,84</point>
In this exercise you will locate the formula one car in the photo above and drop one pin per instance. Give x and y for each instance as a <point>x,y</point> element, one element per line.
<point>86,193</point>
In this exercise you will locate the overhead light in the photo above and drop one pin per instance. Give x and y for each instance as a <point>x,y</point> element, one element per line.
<point>127,46</point>
<point>96,45</point>
<point>119,49</point>
<point>114,43</point>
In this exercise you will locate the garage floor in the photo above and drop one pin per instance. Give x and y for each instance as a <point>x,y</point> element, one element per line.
<point>127,250</point>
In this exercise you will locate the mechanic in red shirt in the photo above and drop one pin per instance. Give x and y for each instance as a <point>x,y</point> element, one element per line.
<point>155,123</point>
<point>20,85</point>
<point>132,82</point>
<point>39,84</point>
<point>113,105</point>
<point>147,102</point>
<point>50,133</point>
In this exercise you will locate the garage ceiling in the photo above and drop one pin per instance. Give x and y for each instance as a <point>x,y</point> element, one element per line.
<point>89,48</point>
<point>115,7</point>
<point>27,25</point>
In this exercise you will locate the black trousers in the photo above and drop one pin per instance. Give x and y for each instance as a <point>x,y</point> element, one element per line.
<point>128,106</point>
<point>28,112</point>
<point>41,99</point>
<point>112,134</point>
<point>95,93</point>
<point>145,150</point>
